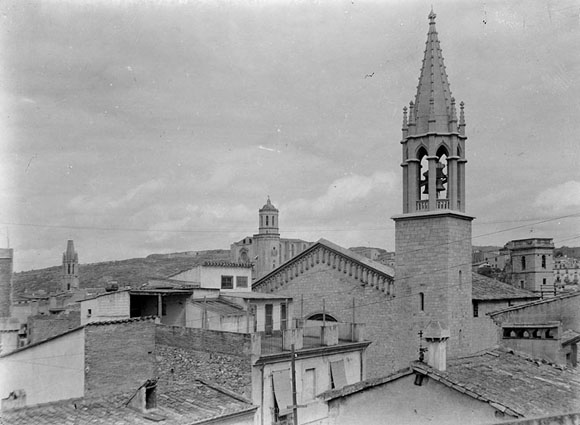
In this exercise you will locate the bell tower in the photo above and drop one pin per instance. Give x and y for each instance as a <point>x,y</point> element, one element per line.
<point>70,268</point>
<point>433,234</point>
<point>433,139</point>
<point>267,241</point>
<point>268,216</point>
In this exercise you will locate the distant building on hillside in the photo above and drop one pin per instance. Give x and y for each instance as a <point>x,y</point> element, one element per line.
<point>266,250</point>
<point>566,271</point>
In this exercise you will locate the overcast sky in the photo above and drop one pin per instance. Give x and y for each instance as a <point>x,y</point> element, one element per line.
<point>162,126</point>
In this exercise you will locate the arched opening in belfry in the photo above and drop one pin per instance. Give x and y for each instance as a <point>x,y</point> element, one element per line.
<point>423,173</point>
<point>442,172</point>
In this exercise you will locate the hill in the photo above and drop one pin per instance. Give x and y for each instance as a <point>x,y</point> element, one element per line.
<point>132,272</point>
<point>567,252</point>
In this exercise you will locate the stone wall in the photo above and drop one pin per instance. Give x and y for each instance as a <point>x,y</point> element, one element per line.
<point>374,307</point>
<point>232,343</point>
<point>185,364</point>
<point>214,356</point>
<point>43,327</point>
<point>119,356</point>
<point>433,262</point>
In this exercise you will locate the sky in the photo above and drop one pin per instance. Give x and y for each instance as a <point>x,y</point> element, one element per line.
<point>140,127</point>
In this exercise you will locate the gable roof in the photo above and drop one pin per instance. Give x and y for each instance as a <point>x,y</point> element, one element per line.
<point>511,383</point>
<point>219,306</point>
<point>486,289</point>
<point>383,272</point>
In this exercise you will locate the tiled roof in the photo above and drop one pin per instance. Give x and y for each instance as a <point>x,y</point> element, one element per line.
<point>533,303</point>
<point>363,385</point>
<point>516,385</point>
<point>126,320</point>
<point>177,402</point>
<point>254,295</point>
<point>570,336</point>
<point>486,288</point>
<point>220,306</point>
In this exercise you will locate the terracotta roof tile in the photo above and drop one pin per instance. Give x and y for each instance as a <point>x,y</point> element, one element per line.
<point>523,386</point>
<point>485,288</point>
<point>178,403</point>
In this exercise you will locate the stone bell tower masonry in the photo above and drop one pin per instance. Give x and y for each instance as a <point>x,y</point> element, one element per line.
<point>433,235</point>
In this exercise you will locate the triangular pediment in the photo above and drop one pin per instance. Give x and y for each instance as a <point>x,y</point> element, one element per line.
<point>326,253</point>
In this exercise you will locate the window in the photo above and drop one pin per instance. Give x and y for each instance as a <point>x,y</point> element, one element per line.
<point>283,317</point>
<point>266,220</point>
<point>269,325</point>
<point>89,312</point>
<point>322,317</point>
<point>282,387</point>
<point>475,309</point>
<point>227,282</point>
<point>273,224</point>
<point>421,301</point>
<point>543,261</point>
<point>522,284</point>
<point>241,281</point>
<point>543,281</point>
<point>151,395</point>
<point>337,375</point>
<point>523,262</point>
<point>309,385</point>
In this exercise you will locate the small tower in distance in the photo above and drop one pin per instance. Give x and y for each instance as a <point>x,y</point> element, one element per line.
<point>267,241</point>
<point>268,216</point>
<point>70,268</point>
<point>5,281</point>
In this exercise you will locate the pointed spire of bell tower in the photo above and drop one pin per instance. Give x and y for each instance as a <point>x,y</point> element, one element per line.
<point>433,98</point>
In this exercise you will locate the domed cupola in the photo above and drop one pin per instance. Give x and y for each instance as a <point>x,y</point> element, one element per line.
<point>268,216</point>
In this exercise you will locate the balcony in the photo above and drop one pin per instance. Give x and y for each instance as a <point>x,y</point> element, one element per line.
<point>310,334</point>
<point>442,204</point>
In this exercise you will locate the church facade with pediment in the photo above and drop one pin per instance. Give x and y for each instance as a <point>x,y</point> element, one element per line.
<point>334,282</point>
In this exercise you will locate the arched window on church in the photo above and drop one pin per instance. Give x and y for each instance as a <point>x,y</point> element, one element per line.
<point>266,220</point>
<point>273,222</point>
<point>523,262</point>
<point>543,261</point>
<point>421,301</point>
<point>321,317</point>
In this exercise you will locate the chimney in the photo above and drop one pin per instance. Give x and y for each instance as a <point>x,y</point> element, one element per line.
<point>436,336</point>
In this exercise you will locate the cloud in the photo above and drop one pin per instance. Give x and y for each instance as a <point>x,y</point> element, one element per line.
<point>562,198</point>
<point>345,192</point>
<point>132,198</point>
